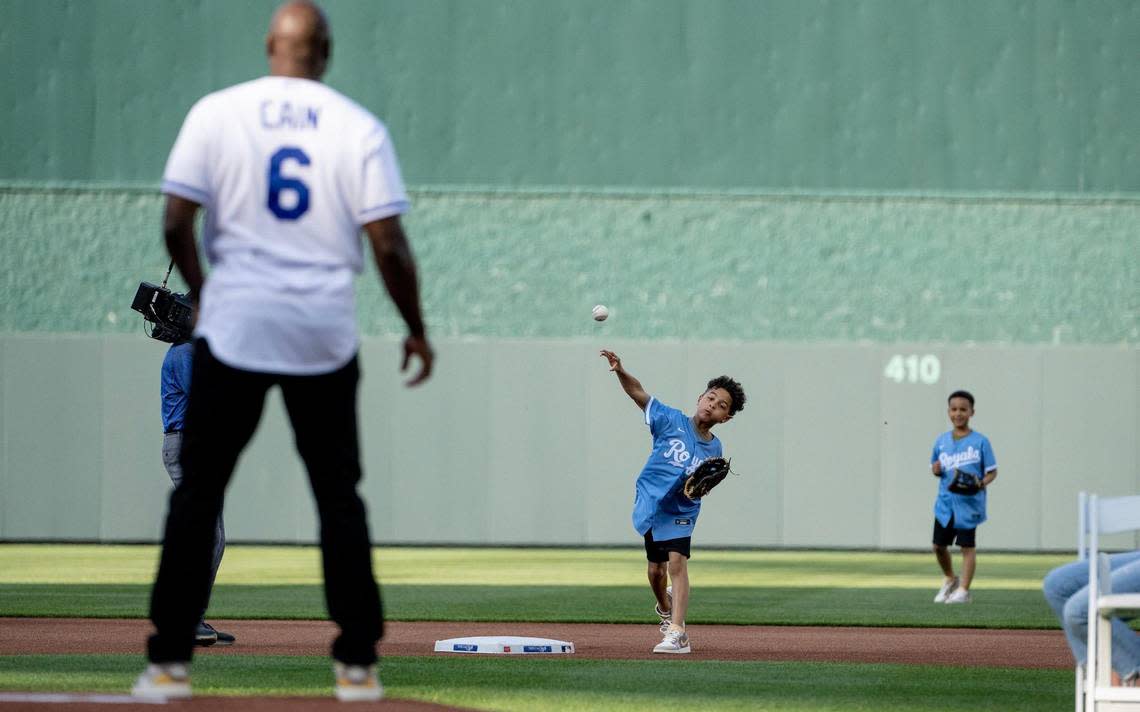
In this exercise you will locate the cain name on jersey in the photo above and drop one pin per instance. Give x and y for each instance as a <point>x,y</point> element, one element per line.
<point>283,115</point>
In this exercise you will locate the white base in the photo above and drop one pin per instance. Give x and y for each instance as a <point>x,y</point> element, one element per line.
<point>504,645</point>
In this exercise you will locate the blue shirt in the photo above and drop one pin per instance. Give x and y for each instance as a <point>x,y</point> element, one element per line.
<point>658,502</point>
<point>176,385</point>
<point>972,454</point>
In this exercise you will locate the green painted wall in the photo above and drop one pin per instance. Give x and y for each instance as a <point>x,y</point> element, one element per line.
<point>670,266</point>
<point>868,95</point>
<point>818,171</point>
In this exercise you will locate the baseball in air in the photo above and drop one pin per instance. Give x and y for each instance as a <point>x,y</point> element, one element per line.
<point>601,313</point>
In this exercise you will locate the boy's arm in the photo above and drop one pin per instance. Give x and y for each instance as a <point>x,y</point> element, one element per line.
<point>631,385</point>
<point>988,463</point>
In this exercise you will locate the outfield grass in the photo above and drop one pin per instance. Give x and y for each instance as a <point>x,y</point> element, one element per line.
<point>542,585</point>
<point>511,683</point>
<point>562,585</point>
<point>561,604</point>
<point>109,564</point>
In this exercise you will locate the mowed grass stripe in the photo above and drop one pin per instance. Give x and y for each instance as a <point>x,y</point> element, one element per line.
<point>563,604</point>
<point>115,564</point>
<point>566,683</point>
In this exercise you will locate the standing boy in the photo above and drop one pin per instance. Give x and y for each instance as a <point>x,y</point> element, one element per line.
<point>662,513</point>
<point>963,460</point>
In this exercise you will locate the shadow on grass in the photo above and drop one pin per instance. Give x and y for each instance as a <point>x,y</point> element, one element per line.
<point>563,604</point>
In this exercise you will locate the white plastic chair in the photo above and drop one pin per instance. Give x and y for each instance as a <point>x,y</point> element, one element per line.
<point>1106,515</point>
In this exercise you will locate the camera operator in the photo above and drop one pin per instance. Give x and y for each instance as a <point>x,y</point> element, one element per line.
<point>175,393</point>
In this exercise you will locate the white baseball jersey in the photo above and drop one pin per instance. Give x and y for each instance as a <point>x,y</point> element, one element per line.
<point>288,171</point>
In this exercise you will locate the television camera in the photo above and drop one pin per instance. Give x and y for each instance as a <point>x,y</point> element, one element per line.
<point>170,315</point>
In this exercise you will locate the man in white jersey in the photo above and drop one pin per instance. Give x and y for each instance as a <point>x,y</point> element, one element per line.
<point>289,171</point>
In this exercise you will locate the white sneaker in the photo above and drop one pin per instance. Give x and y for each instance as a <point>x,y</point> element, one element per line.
<point>357,683</point>
<point>948,587</point>
<point>960,595</point>
<point>666,618</point>
<point>167,681</point>
<point>675,641</point>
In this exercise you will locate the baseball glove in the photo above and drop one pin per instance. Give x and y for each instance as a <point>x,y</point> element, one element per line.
<point>965,483</point>
<point>707,475</point>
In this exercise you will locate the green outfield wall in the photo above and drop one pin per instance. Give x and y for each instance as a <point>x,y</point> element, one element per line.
<point>794,268</point>
<point>912,95</point>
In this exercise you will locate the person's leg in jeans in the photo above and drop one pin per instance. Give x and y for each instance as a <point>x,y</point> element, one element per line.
<point>171,460</point>
<point>322,410</point>
<point>1061,584</point>
<point>224,408</point>
<point>1126,579</point>
<point>1066,590</point>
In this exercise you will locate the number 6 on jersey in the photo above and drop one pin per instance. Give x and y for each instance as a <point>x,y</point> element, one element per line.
<point>278,183</point>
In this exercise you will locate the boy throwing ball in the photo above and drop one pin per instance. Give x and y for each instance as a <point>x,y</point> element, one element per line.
<point>662,513</point>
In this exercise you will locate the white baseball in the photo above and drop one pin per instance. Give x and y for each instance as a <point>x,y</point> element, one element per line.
<point>601,313</point>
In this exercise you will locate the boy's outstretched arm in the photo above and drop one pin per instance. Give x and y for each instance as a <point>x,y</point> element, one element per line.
<point>631,385</point>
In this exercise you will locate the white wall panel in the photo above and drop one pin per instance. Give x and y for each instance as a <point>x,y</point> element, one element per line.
<point>534,442</point>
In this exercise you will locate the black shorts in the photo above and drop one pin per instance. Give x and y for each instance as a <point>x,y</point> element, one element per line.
<point>658,551</point>
<point>945,535</point>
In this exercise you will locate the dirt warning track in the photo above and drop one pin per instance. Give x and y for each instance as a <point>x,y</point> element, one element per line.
<point>923,646</point>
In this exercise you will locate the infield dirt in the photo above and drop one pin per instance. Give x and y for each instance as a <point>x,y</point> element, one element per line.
<point>923,646</point>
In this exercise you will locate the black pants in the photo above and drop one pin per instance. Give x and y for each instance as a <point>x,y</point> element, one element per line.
<point>224,408</point>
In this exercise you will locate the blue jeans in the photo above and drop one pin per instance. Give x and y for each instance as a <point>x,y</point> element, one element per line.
<point>1067,591</point>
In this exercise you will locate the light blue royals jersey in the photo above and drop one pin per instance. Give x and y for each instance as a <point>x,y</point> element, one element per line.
<point>658,502</point>
<point>972,454</point>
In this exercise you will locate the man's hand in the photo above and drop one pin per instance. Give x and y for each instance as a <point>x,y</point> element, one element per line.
<point>936,468</point>
<point>418,346</point>
<point>397,270</point>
